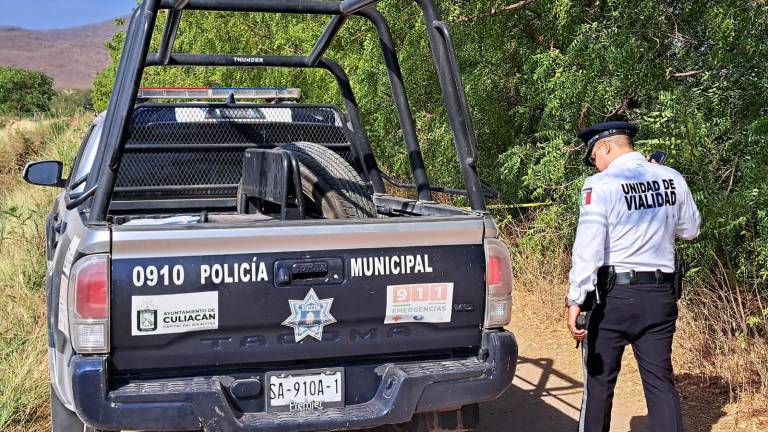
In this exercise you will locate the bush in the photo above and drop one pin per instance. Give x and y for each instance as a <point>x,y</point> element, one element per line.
<point>24,91</point>
<point>70,102</point>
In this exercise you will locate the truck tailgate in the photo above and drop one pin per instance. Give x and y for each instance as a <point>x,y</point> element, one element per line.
<point>202,296</point>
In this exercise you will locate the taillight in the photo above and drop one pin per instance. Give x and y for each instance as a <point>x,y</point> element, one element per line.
<point>89,304</point>
<point>92,287</point>
<point>498,284</point>
<point>493,271</point>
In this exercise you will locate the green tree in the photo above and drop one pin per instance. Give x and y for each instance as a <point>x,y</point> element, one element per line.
<point>691,73</point>
<point>24,91</point>
<point>69,102</point>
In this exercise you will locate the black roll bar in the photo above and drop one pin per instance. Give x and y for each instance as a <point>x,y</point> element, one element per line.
<point>349,7</point>
<point>396,82</point>
<point>442,28</point>
<point>325,40</point>
<point>126,86</point>
<point>134,59</point>
<point>314,7</point>
<point>345,7</point>
<point>169,34</point>
<point>362,145</point>
<point>353,110</point>
<point>401,102</point>
<point>458,117</point>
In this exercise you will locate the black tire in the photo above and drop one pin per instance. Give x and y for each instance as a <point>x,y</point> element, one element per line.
<point>335,189</point>
<point>64,420</point>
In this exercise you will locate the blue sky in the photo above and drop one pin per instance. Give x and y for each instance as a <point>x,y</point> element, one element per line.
<point>50,14</point>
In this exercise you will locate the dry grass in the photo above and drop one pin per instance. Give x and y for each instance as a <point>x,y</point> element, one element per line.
<point>721,347</point>
<point>537,269</point>
<point>21,140</point>
<point>23,359</point>
<point>722,334</point>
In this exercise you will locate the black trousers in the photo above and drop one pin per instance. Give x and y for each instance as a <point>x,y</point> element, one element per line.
<point>644,316</point>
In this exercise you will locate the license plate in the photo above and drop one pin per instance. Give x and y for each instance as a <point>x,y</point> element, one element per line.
<point>307,390</point>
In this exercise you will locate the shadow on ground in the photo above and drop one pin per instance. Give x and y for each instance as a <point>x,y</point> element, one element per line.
<point>543,399</point>
<point>703,400</point>
<point>534,404</point>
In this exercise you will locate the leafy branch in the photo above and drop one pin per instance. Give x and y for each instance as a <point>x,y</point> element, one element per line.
<point>498,11</point>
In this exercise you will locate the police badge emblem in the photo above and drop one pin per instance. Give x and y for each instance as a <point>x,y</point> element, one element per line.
<point>146,320</point>
<point>309,316</point>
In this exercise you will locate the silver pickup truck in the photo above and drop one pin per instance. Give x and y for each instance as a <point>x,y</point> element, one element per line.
<point>224,265</point>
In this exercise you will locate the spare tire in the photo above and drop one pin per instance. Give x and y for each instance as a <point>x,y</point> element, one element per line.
<point>334,189</point>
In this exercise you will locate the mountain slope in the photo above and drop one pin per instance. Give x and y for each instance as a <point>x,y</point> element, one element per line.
<point>71,56</point>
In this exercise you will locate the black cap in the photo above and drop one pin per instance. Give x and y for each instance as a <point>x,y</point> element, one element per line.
<point>598,131</point>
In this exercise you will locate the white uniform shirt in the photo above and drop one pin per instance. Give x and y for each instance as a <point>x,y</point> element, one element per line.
<point>629,217</point>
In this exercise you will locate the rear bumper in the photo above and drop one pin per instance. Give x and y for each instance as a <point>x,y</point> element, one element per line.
<point>197,403</point>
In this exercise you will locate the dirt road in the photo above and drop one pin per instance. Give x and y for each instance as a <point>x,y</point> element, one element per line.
<point>546,395</point>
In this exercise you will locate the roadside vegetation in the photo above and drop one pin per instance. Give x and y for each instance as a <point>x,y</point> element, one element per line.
<point>24,90</point>
<point>29,95</point>
<point>23,360</point>
<point>717,351</point>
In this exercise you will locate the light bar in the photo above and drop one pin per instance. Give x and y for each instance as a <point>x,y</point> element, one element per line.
<point>498,284</point>
<point>218,93</point>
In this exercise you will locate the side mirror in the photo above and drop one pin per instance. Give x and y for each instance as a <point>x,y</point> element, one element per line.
<point>44,173</point>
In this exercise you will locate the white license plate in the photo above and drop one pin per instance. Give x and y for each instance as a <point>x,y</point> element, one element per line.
<point>308,390</point>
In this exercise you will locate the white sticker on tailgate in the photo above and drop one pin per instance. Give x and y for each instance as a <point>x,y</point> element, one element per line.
<point>174,313</point>
<point>430,303</point>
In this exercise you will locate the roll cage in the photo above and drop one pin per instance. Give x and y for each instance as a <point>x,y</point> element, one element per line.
<point>100,183</point>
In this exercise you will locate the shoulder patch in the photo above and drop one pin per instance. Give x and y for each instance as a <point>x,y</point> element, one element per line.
<point>586,196</point>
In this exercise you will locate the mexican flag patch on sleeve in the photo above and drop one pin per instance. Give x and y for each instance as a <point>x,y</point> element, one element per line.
<point>586,196</point>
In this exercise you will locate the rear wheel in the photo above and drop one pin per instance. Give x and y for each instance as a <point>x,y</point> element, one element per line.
<point>62,419</point>
<point>334,189</point>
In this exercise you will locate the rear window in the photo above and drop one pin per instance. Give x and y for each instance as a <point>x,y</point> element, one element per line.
<point>196,151</point>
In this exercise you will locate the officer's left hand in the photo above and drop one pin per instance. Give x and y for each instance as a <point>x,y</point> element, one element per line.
<point>572,312</point>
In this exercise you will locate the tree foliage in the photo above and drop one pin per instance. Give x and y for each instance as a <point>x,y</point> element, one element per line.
<point>24,91</point>
<point>70,102</point>
<point>692,74</point>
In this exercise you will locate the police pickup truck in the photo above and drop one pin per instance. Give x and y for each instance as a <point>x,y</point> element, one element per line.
<point>240,266</point>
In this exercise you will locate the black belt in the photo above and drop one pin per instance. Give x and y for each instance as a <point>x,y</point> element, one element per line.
<point>632,277</point>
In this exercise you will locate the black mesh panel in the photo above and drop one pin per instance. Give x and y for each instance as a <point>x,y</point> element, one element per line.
<point>197,151</point>
<point>215,170</point>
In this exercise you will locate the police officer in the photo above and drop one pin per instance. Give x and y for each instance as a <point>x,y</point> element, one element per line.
<point>623,267</point>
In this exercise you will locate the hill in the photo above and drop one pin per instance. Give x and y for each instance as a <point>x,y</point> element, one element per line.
<point>71,56</point>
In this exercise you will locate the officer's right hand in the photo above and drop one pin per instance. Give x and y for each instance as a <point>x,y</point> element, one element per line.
<point>571,313</point>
